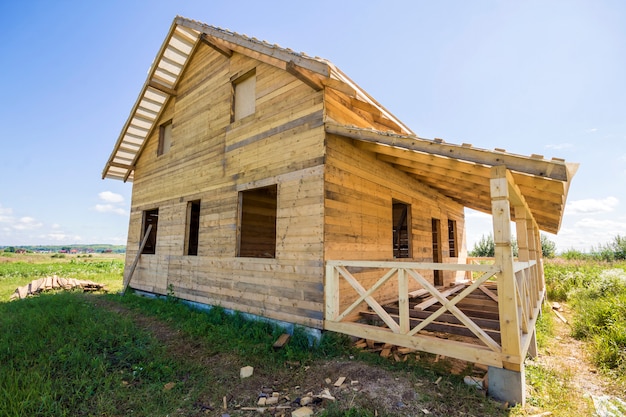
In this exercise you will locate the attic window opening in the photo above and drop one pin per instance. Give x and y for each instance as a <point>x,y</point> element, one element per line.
<point>257,222</point>
<point>150,218</point>
<point>401,230</point>
<point>193,228</point>
<point>244,96</point>
<point>452,239</point>
<point>165,138</point>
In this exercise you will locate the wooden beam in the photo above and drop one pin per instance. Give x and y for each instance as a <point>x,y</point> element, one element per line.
<point>263,51</point>
<point>304,76</point>
<point>158,86</point>
<point>432,300</point>
<point>339,86</point>
<point>210,41</point>
<point>134,265</point>
<point>507,292</point>
<point>548,169</point>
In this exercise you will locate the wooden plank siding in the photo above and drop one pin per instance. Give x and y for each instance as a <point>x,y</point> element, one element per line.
<point>334,199</point>
<point>358,202</point>
<point>212,160</point>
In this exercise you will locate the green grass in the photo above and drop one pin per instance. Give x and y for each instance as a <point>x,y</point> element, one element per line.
<point>18,270</point>
<point>61,357</point>
<point>596,291</point>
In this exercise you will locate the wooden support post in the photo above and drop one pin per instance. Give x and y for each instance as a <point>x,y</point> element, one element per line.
<point>332,292</point>
<point>507,293</point>
<point>523,253</point>
<point>136,261</point>
<point>403,301</point>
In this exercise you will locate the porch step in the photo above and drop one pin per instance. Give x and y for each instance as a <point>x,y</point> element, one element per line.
<point>437,326</point>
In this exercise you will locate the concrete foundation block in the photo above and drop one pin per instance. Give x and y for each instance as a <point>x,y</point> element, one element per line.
<point>508,386</point>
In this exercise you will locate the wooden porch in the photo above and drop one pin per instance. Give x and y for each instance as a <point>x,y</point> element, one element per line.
<point>487,318</point>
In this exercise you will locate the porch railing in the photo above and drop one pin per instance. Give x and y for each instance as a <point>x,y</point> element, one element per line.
<point>398,328</point>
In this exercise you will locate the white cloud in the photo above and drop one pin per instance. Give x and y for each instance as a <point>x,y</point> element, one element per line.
<point>592,130</point>
<point>61,237</point>
<point>111,197</point>
<point>27,223</point>
<point>109,208</point>
<point>559,146</point>
<point>6,214</point>
<point>592,206</point>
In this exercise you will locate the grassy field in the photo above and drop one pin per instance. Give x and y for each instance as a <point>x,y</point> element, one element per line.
<point>71,353</point>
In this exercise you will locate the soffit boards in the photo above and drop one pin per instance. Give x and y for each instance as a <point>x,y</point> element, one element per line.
<point>463,172</point>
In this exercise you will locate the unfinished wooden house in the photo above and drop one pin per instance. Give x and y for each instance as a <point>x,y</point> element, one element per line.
<point>267,182</point>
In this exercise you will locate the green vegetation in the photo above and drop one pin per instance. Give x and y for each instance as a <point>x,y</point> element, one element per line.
<point>67,353</point>
<point>18,270</point>
<point>98,248</point>
<point>597,293</point>
<point>74,354</point>
<point>609,252</point>
<point>486,247</point>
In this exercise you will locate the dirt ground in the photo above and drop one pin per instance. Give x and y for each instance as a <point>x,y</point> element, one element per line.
<point>374,388</point>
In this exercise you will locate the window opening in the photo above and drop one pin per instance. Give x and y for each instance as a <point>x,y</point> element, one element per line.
<point>244,96</point>
<point>165,138</point>
<point>257,222</point>
<point>437,254</point>
<point>401,230</point>
<point>150,218</point>
<point>452,238</point>
<point>193,227</point>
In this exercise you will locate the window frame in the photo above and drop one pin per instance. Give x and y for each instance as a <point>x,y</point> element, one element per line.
<point>192,228</point>
<point>453,239</point>
<point>236,85</point>
<point>396,227</point>
<point>151,243</point>
<point>247,232</point>
<point>165,138</point>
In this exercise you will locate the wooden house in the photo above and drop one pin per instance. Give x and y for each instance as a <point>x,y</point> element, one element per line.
<point>267,182</point>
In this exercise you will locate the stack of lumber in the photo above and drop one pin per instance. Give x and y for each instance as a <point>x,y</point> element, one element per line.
<point>52,283</point>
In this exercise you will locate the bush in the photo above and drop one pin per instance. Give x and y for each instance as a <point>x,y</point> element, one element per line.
<point>484,248</point>
<point>600,305</point>
<point>548,247</point>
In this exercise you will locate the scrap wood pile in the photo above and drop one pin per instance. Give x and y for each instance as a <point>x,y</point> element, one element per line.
<point>52,283</point>
<point>402,354</point>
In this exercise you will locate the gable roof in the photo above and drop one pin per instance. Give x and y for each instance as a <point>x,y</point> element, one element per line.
<point>460,172</point>
<point>181,41</point>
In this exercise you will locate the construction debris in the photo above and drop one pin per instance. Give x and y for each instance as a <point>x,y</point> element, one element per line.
<point>281,341</point>
<point>52,283</point>
<point>246,372</point>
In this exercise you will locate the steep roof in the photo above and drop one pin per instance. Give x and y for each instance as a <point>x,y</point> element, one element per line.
<point>168,66</point>
<point>460,172</point>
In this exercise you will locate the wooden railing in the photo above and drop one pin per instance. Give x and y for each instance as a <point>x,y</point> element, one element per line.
<point>398,329</point>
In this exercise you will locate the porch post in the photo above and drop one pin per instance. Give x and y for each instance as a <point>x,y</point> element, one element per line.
<point>506,384</point>
<point>525,254</point>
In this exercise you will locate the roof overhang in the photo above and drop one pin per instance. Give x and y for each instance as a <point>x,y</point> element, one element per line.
<point>158,88</point>
<point>463,172</point>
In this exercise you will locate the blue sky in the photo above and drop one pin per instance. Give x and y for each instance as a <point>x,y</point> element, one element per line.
<point>532,77</point>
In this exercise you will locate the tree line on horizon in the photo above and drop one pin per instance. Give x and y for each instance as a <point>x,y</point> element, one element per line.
<point>614,250</point>
<point>67,248</point>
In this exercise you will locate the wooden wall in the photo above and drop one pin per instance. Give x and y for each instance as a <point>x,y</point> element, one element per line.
<point>359,195</point>
<point>334,200</point>
<point>212,160</point>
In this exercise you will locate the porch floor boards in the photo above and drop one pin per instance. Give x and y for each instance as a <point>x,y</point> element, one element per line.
<point>478,306</point>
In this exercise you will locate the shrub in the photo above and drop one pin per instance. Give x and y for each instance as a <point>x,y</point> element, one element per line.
<point>548,247</point>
